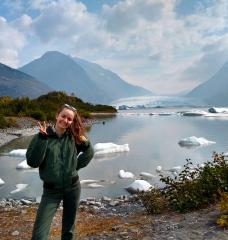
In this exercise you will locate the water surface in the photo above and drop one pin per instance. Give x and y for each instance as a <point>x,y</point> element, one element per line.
<point>153,141</point>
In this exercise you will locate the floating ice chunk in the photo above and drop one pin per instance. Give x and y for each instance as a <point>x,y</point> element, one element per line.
<point>146,175</point>
<point>105,148</point>
<point>194,141</point>
<point>139,185</point>
<point>89,181</point>
<point>23,165</point>
<point>18,152</point>
<point>19,187</point>
<point>158,169</point>
<point>1,182</point>
<point>202,165</point>
<point>225,154</point>
<point>194,113</point>
<point>95,185</point>
<point>123,174</point>
<point>218,110</point>
<point>175,169</point>
<point>165,113</point>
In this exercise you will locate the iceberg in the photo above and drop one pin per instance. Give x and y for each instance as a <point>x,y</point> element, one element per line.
<point>19,187</point>
<point>106,148</point>
<point>158,169</point>
<point>225,154</point>
<point>218,110</point>
<point>1,182</point>
<point>194,141</point>
<point>194,113</point>
<point>146,175</point>
<point>139,185</point>
<point>95,185</point>
<point>23,165</point>
<point>18,152</point>
<point>165,113</point>
<point>89,181</point>
<point>123,174</point>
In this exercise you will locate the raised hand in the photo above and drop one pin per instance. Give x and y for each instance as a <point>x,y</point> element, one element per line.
<point>42,128</point>
<point>83,138</point>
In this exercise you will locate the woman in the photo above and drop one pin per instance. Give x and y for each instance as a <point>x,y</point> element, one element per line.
<point>55,151</point>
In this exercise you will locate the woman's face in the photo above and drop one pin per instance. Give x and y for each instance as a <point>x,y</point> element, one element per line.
<point>65,118</point>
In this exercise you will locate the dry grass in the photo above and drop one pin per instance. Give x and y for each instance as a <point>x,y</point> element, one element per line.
<point>88,224</point>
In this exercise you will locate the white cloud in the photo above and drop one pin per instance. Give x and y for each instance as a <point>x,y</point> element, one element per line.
<point>11,42</point>
<point>144,41</point>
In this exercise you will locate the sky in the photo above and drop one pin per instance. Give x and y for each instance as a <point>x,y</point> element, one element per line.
<point>166,46</point>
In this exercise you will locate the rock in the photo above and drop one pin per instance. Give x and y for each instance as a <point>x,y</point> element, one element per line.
<point>25,202</point>
<point>15,233</point>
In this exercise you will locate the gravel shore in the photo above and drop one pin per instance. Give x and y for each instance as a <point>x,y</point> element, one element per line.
<point>25,127</point>
<point>120,218</point>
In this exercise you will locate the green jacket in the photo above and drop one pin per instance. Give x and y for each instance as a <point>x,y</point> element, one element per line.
<point>57,157</point>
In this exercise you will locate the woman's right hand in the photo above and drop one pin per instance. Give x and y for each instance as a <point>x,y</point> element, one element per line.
<point>42,128</point>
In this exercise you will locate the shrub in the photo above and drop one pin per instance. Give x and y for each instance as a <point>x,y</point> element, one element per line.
<point>6,122</point>
<point>153,201</point>
<point>38,115</point>
<point>3,122</point>
<point>223,219</point>
<point>194,187</point>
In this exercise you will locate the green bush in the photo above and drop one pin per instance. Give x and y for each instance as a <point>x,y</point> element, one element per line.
<point>6,122</point>
<point>38,115</point>
<point>192,188</point>
<point>3,122</point>
<point>153,201</point>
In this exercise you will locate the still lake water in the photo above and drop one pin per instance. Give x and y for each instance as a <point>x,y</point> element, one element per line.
<point>153,141</point>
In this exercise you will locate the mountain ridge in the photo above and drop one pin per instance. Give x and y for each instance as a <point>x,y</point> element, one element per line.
<point>15,83</point>
<point>214,90</point>
<point>65,73</point>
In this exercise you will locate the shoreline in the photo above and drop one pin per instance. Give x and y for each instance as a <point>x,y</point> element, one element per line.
<point>119,218</point>
<point>26,127</point>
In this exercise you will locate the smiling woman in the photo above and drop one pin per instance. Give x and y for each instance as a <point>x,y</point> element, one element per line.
<point>55,151</point>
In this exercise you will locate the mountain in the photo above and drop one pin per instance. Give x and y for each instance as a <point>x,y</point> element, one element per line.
<point>86,80</point>
<point>110,82</point>
<point>15,83</point>
<point>213,91</point>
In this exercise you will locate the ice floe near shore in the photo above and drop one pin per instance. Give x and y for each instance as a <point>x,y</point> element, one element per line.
<point>106,148</point>
<point>146,175</point>
<point>124,174</point>
<point>19,187</point>
<point>139,185</point>
<point>18,152</point>
<point>1,182</point>
<point>23,165</point>
<point>194,141</point>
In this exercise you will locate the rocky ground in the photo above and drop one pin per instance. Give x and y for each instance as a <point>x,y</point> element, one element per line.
<point>25,127</point>
<point>122,218</point>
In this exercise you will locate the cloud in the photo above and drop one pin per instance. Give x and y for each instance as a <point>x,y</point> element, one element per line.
<point>146,42</point>
<point>127,14</point>
<point>11,42</point>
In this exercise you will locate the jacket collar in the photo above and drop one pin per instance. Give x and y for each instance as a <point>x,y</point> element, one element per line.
<point>52,133</point>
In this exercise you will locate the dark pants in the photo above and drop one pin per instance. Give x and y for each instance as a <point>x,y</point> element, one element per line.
<point>50,201</point>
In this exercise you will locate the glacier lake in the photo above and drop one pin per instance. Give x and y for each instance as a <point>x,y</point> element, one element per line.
<point>152,135</point>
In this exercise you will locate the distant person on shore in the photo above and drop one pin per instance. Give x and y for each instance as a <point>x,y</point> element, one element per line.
<point>55,151</point>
